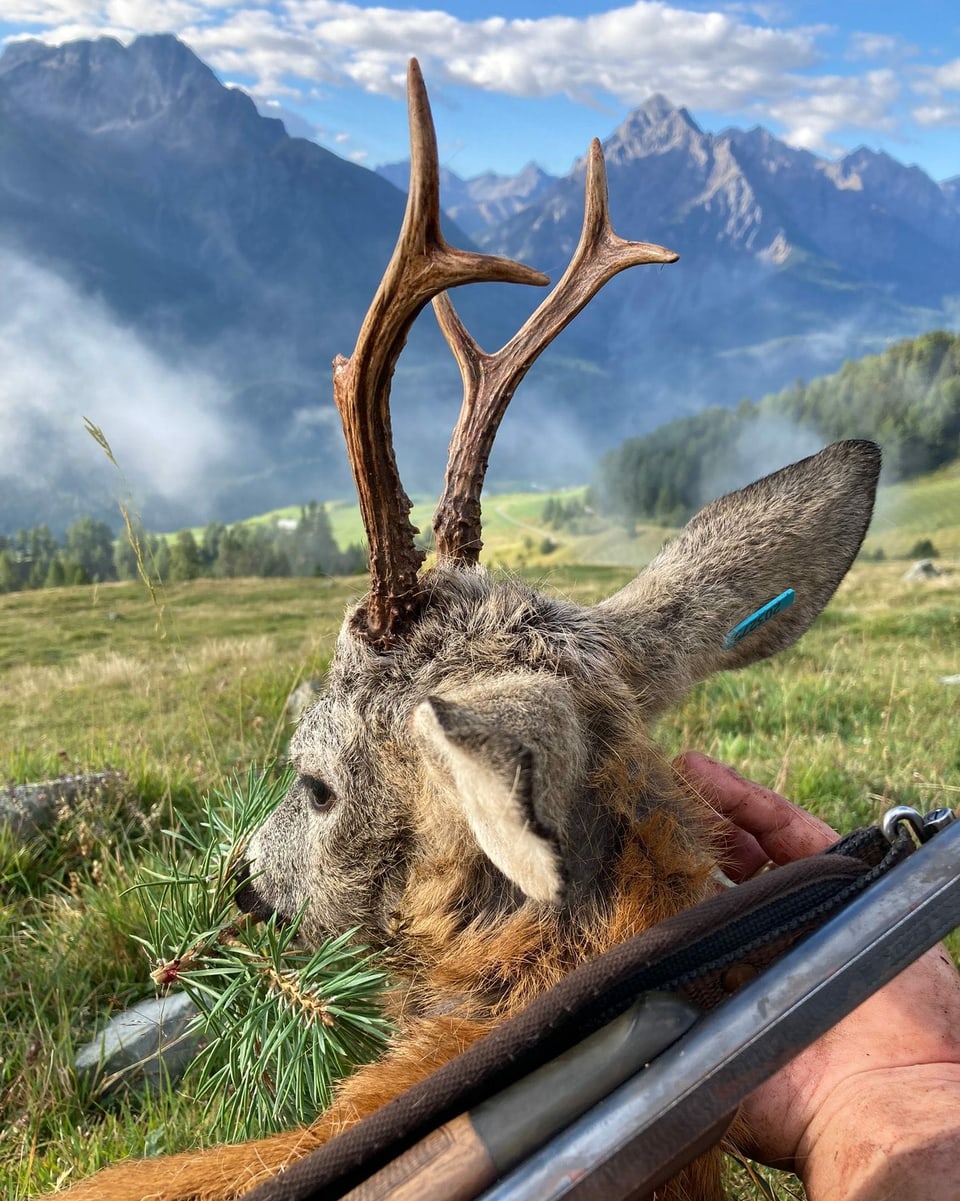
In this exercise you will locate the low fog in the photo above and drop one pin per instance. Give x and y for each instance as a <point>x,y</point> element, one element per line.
<point>65,358</point>
<point>187,457</point>
<point>175,433</point>
<point>764,445</point>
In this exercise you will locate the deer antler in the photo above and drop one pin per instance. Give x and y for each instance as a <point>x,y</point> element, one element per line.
<point>422,265</point>
<point>490,380</point>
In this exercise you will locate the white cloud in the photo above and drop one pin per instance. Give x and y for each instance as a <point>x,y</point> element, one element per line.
<point>931,116</point>
<point>771,14</point>
<point>836,101</point>
<point>126,17</point>
<point>878,45</point>
<point>628,52</point>
<point>77,31</point>
<point>938,87</point>
<point>746,57</point>
<point>65,358</point>
<point>711,58</point>
<point>941,79</point>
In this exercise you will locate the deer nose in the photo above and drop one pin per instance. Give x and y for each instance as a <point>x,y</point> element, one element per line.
<point>246,897</point>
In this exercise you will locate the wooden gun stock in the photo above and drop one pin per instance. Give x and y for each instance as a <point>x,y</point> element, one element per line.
<point>452,1162</point>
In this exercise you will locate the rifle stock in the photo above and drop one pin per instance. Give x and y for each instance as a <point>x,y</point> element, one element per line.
<point>452,1163</point>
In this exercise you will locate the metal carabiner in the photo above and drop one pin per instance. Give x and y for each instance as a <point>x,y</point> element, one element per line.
<point>923,827</point>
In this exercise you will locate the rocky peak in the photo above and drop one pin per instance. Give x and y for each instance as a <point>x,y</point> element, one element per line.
<point>528,183</point>
<point>906,192</point>
<point>91,83</point>
<point>657,110</point>
<point>758,147</point>
<point>483,201</point>
<point>156,85</point>
<point>674,168</point>
<point>656,127</point>
<point>532,178</point>
<point>877,169</point>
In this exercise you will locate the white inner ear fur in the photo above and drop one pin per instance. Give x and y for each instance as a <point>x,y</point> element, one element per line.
<point>495,814</point>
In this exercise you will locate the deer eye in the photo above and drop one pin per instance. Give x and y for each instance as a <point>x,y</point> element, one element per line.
<point>318,793</point>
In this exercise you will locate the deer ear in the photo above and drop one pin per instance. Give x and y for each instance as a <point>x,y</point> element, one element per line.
<point>704,603</point>
<point>509,783</point>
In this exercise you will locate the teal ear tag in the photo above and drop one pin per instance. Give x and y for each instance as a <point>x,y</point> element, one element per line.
<point>758,618</point>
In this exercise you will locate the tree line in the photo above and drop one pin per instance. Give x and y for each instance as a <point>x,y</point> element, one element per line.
<point>570,515</point>
<point>90,552</point>
<point>907,399</point>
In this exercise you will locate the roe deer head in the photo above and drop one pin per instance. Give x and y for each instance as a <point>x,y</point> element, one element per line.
<point>476,788</point>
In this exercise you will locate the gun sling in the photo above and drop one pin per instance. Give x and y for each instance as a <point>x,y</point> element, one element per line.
<point>703,954</point>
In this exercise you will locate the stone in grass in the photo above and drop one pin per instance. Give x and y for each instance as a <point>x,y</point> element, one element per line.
<point>923,569</point>
<point>142,1047</point>
<point>29,809</point>
<point>303,697</point>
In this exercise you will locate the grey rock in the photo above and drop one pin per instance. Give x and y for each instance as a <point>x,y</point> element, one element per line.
<point>141,1047</point>
<point>950,679</point>
<point>923,569</point>
<point>303,697</point>
<point>29,809</point>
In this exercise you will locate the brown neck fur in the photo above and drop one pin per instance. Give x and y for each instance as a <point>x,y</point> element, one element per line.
<point>469,944</point>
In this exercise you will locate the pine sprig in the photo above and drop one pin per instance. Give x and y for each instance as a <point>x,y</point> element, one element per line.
<point>280,1024</point>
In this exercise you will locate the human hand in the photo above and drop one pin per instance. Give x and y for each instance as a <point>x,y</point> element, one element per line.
<point>875,1103</point>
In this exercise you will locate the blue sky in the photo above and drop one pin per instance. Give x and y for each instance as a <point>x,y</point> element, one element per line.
<point>536,79</point>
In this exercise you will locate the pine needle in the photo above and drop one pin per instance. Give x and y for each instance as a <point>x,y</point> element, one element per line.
<point>280,1024</point>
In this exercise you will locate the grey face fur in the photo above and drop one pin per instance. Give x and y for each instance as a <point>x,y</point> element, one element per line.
<point>477,741</point>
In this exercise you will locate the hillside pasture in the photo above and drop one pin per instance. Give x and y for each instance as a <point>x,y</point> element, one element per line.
<point>928,507</point>
<point>514,529</point>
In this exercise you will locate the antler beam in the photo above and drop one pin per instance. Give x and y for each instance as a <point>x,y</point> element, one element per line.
<point>490,380</point>
<point>422,265</point>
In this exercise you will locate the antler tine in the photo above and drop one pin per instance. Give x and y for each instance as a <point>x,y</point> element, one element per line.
<point>490,380</point>
<point>422,265</point>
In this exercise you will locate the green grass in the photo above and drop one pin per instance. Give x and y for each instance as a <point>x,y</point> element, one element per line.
<point>96,675</point>
<point>851,720</point>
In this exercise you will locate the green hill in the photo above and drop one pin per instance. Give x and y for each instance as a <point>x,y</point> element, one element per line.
<point>927,507</point>
<point>516,534</point>
<point>907,399</point>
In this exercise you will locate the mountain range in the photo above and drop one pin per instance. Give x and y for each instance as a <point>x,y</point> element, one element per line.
<point>154,226</point>
<point>485,201</point>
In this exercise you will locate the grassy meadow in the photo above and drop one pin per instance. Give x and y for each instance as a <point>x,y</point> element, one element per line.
<point>175,696</point>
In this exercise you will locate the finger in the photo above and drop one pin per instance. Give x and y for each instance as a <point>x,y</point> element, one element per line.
<point>783,830</point>
<point>740,855</point>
